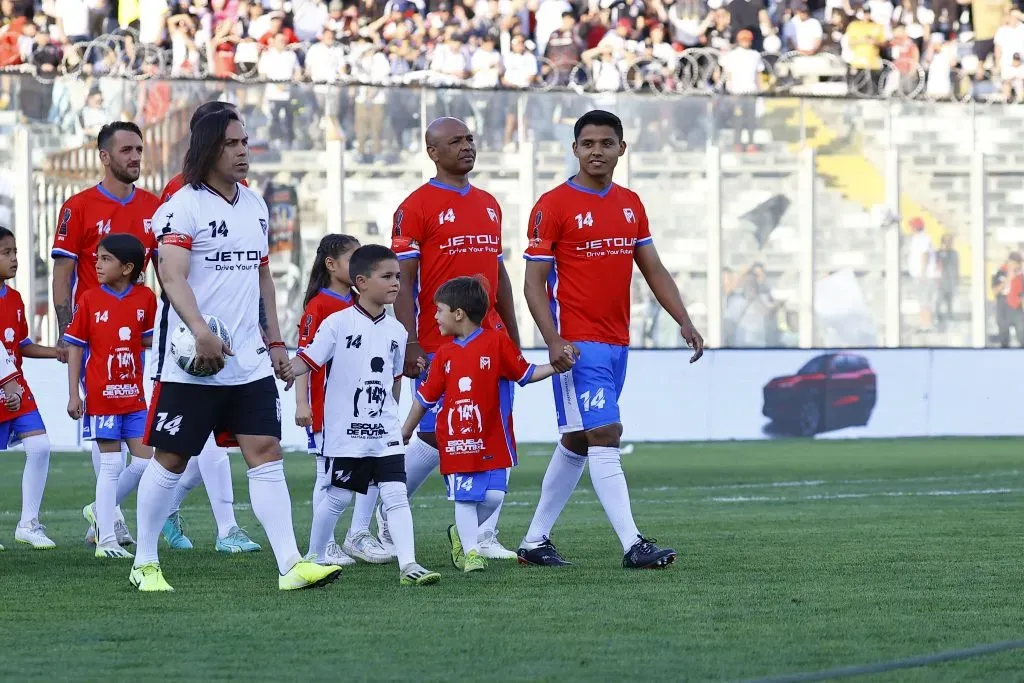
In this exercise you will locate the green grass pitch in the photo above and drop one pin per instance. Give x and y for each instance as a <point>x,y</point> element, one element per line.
<point>793,556</point>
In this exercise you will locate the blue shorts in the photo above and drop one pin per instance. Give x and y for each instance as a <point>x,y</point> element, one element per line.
<point>587,397</point>
<point>428,423</point>
<point>473,487</point>
<point>12,430</point>
<point>114,427</point>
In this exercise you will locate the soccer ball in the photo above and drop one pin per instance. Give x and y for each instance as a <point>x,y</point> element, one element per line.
<point>183,345</point>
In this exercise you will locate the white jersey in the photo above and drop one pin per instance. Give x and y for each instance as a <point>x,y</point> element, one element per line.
<point>228,243</point>
<point>364,356</point>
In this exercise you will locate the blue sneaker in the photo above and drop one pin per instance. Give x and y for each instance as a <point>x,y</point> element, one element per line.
<point>237,542</point>
<point>175,535</point>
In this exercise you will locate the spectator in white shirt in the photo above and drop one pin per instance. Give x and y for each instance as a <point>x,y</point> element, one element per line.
<point>153,21</point>
<point>803,32</point>
<point>923,270</point>
<point>449,58</point>
<point>280,65</point>
<point>519,71</point>
<point>486,65</point>
<point>741,69</point>
<point>1009,40</point>
<point>308,18</point>
<point>73,20</point>
<point>370,65</point>
<point>325,59</point>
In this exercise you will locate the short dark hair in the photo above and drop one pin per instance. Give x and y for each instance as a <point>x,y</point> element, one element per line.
<point>107,132</point>
<point>366,258</point>
<point>205,145</point>
<point>209,108</point>
<point>467,293</point>
<point>126,249</point>
<point>598,117</point>
<point>5,232</point>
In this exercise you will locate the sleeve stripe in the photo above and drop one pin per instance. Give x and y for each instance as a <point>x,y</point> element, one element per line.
<point>408,255</point>
<point>643,241</point>
<point>532,257</point>
<point>62,253</point>
<point>148,333</point>
<point>25,342</point>
<point>7,379</point>
<point>75,340</point>
<point>307,360</point>
<point>525,379</point>
<point>424,402</point>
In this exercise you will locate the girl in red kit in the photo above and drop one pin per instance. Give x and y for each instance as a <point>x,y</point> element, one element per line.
<point>329,291</point>
<point>22,422</point>
<point>111,326</point>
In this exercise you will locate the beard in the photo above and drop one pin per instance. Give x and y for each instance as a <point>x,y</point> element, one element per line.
<point>124,175</point>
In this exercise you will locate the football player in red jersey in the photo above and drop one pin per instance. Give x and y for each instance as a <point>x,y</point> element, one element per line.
<point>111,326</point>
<point>474,429</point>
<point>584,238</point>
<point>115,205</point>
<point>212,467</point>
<point>24,423</point>
<point>445,229</point>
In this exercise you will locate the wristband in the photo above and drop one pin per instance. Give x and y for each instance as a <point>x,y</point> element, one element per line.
<point>277,345</point>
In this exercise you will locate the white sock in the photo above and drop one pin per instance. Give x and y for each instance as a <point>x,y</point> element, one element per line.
<point>96,468</point>
<point>156,489</point>
<point>33,479</point>
<point>325,517</point>
<point>489,526</point>
<point>362,512</point>
<point>322,483</point>
<point>272,505</point>
<point>106,497</point>
<point>420,460</point>
<point>190,478</point>
<point>468,525</point>
<point>216,470</point>
<point>564,472</point>
<point>610,485</point>
<point>130,476</point>
<point>395,500</point>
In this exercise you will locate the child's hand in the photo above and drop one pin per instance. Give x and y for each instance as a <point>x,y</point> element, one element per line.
<point>421,364</point>
<point>75,408</point>
<point>13,401</point>
<point>407,435</point>
<point>570,354</point>
<point>303,416</point>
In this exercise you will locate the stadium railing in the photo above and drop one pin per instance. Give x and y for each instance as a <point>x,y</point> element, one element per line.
<point>819,199</point>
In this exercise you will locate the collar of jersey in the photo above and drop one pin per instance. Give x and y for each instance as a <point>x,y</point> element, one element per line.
<point>3,290</point>
<point>106,193</point>
<point>383,314</point>
<point>464,342</point>
<point>571,182</point>
<point>445,186</point>
<point>212,191</point>
<point>121,295</point>
<point>328,292</point>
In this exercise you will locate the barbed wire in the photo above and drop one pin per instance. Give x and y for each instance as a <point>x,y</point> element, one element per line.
<point>692,71</point>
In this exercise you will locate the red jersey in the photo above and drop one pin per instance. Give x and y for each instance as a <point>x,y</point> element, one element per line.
<point>175,184</point>
<point>453,232</point>
<point>89,216</point>
<point>111,327</point>
<point>591,238</point>
<point>474,426</point>
<point>319,307</point>
<point>15,330</point>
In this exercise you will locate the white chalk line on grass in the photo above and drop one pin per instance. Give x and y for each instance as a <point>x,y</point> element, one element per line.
<point>848,496</point>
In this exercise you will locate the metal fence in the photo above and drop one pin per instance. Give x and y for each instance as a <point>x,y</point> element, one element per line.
<point>785,221</point>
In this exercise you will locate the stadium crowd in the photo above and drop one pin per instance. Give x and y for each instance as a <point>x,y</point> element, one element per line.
<point>517,43</point>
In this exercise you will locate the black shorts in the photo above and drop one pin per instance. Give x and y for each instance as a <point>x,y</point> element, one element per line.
<point>356,474</point>
<point>984,48</point>
<point>182,416</point>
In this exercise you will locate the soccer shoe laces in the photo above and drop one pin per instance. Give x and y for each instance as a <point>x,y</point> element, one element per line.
<point>645,545</point>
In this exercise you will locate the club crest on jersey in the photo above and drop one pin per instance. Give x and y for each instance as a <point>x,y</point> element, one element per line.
<point>628,213</point>
<point>492,214</point>
<point>140,314</point>
<point>536,224</point>
<point>62,229</point>
<point>399,215</point>
<point>263,226</point>
<point>167,228</point>
<point>394,346</point>
<point>485,362</point>
<point>147,225</point>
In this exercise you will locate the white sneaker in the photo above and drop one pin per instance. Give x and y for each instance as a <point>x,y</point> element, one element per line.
<point>90,536</point>
<point>34,534</point>
<point>334,556</point>
<point>383,533</point>
<point>367,548</point>
<point>492,549</point>
<point>124,537</point>
<point>113,552</point>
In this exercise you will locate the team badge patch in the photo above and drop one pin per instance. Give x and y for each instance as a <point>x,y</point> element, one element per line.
<point>147,225</point>
<point>492,214</point>
<point>536,224</point>
<point>399,215</point>
<point>65,218</point>
<point>263,226</point>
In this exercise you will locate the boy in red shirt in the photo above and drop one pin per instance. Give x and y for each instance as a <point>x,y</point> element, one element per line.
<point>474,426</point>
<point>112,324</point>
